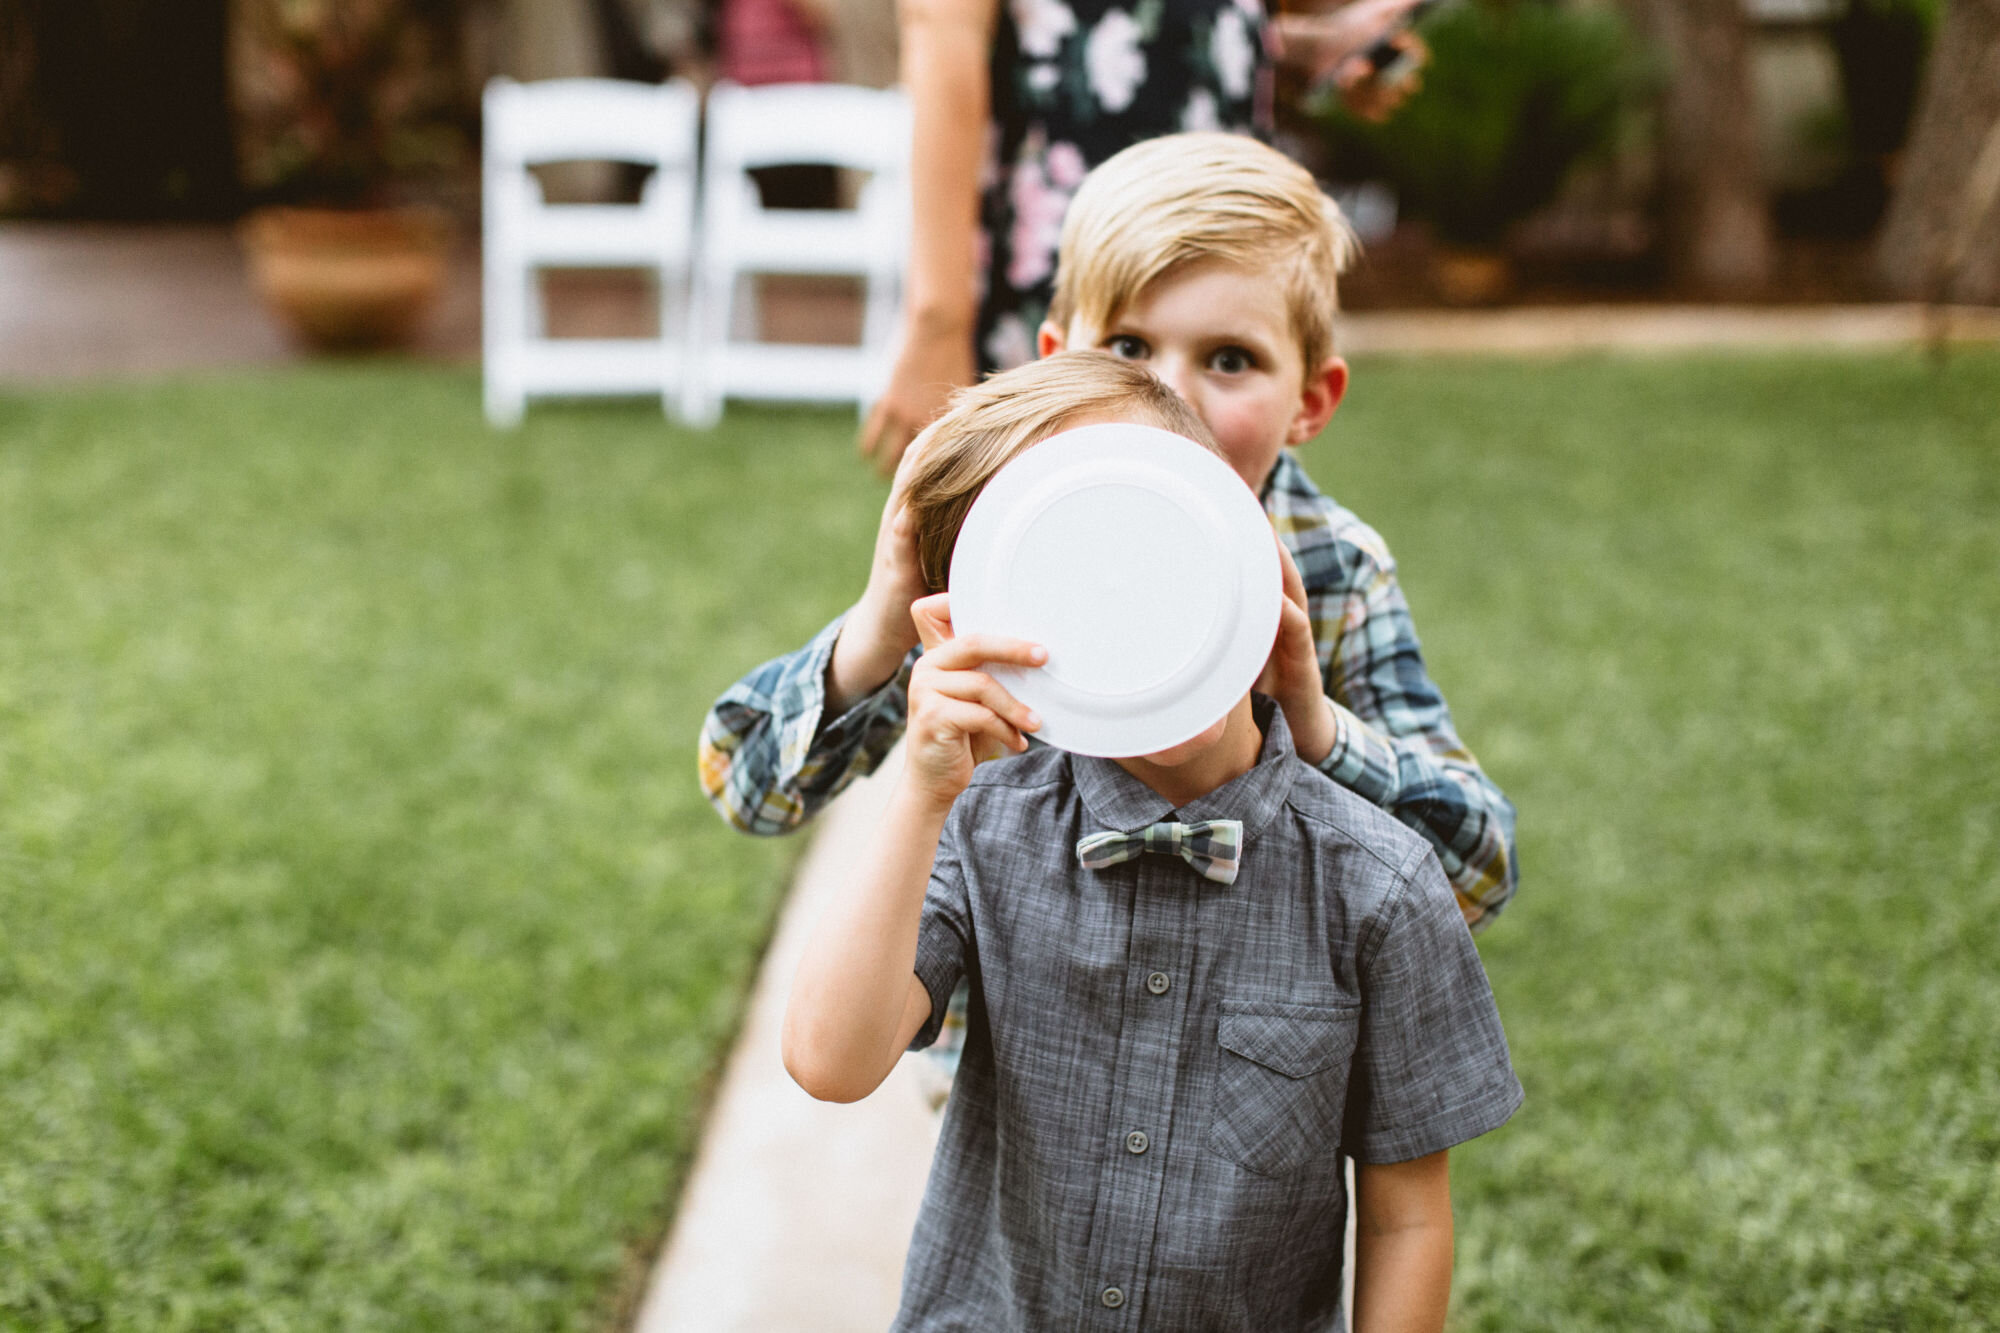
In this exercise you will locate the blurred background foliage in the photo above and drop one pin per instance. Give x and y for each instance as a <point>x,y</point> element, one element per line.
<point>1775,149</point>
<point>338,101</point>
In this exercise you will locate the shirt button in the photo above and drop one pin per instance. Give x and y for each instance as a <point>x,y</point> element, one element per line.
<point>1136,1141</point>
<point>1158,983</point>
<point>1112,1298</point>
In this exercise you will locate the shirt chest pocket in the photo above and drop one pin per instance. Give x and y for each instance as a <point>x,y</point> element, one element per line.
<point>1281,1087</point>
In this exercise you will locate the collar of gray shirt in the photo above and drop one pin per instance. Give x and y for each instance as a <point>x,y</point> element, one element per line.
<point>1121,802</point>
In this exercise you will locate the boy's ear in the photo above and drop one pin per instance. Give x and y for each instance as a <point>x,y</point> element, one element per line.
<point>1049,339</point>
<point>1324,388</point>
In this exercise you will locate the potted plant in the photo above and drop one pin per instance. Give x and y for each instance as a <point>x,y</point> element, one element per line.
<point>1516,93</point>
<point>341,105</point>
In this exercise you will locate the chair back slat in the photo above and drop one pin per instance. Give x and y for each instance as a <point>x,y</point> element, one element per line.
<point>590,120</point>
<point>866,129</point>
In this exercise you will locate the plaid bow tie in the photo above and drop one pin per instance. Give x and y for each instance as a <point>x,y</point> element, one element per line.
<point>1211,847</point>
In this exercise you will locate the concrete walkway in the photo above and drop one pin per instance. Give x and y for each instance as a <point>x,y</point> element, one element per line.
<point>798,1212</point>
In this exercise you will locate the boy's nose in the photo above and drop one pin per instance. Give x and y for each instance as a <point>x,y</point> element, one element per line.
<point>1174,373</point>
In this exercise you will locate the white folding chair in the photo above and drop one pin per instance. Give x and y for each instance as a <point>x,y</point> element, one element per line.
<point>572,120</point>
<point>864,129</point>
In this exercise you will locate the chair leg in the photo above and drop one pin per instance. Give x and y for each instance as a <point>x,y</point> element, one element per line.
<point>676,348</point>
<point>701,403</point>
<point>878,339</point>
<point>503,409</point>
<point>500,336</point>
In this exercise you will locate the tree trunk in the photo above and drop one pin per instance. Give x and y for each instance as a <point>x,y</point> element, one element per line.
<point>1717,215</point>
<point>1942,237</point>
<point>558,39</point>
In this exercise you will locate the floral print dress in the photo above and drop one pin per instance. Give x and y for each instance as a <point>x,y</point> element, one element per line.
<point>1075,81</point>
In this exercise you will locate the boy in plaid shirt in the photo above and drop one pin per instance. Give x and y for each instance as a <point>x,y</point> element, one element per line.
<point>1212,260</point>
<point>1199,979</point>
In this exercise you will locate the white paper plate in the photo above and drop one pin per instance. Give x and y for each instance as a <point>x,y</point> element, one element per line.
<point>1143,564</point>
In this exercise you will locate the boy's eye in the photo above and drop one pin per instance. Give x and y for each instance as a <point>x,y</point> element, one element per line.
<point>1127,346</point>
<point>1232,361</point>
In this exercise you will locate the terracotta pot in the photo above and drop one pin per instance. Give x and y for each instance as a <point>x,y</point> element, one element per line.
<point>1471,276</point>
<point>348,280</point>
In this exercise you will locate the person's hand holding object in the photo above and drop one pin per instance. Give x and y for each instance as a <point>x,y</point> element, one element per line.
<point>1292,675</point>
<point>878,632</point>
<point>1332,49</point>
<point>959,715</point>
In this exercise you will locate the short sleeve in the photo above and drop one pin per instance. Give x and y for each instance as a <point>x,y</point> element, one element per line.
<point>944,933</point>
<point>1430,1068</point>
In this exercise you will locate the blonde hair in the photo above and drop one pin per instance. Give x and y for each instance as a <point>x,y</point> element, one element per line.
<point>990,424</point>
<point>1184,198</point>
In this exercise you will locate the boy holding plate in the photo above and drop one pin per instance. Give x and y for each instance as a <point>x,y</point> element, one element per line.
<point>1201,973</point>
<point>1212,261</point>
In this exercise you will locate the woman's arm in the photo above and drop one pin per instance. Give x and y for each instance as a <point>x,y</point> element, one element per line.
<point>946,44</point>
<point>1402,1245</point>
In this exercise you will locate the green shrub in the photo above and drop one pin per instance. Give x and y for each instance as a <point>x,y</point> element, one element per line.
<point>1515,95</point>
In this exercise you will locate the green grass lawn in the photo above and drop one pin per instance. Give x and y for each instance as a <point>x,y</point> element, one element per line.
<point>1727,632</point>
<point>365,944</point>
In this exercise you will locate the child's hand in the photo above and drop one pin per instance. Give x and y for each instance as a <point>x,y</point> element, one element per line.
<point>959,715</point>
<point>1291,676</point>
<point>878,631</point>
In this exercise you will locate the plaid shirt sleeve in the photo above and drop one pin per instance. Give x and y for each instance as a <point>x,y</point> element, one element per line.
<point>768,764</point>
<point>1394,743</point>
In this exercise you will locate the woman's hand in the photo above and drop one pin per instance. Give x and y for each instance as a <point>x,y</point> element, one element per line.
<point>1291,676</point>
<point>1365,93</point>
<point>959,715</point>
<point>933,362</point>
<point>1330,47</point>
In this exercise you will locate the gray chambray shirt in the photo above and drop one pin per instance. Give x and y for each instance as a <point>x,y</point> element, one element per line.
<point>1162,1073</point>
